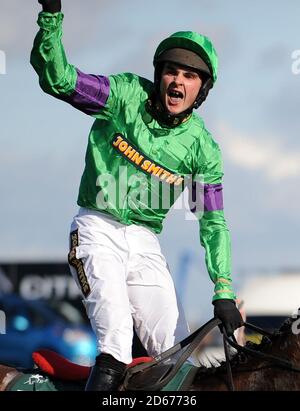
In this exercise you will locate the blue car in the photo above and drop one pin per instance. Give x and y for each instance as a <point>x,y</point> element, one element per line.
<point>30,325</point>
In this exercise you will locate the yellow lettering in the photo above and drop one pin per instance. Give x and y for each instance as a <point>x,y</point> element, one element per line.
<point>165,174</point>
<point>137,158</point>
<point>146,164</point>
<point>154,169</point>
<point>129,152</point>
<point>159,172</point>
<point>179,181</point>
<point>123,146</point>
<point>117,141</point>
<point>74,240</point>
<point>171,179</point>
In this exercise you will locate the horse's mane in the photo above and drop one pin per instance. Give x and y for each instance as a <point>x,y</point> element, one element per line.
<point>287,324</point>
<point>237,359</point>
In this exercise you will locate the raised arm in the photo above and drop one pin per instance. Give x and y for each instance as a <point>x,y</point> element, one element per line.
<point>86,92</point>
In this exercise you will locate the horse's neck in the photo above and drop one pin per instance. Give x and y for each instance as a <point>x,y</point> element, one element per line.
<point>288,346</point>
<point>7,375</point>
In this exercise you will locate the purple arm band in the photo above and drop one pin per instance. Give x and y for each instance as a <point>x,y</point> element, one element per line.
<point>90,94</point>
<point>207,197</point>
<point>213,197</point>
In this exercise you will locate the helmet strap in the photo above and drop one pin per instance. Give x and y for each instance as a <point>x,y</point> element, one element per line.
<point>156,109</point>
<point>203,93</point>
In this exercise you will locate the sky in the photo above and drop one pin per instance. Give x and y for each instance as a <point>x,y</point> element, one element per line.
<point>252,113</point>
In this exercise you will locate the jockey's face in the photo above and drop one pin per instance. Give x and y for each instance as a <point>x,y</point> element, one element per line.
<point>179,87</point>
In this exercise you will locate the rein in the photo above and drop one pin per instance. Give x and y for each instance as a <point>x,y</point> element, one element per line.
<point>193,340</point>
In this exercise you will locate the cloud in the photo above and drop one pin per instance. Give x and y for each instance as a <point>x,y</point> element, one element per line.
<point>273,57</point>
<point>282,107</point>
<point>265,153</point>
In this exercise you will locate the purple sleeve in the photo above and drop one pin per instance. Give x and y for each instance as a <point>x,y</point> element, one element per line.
<point>90,94</point>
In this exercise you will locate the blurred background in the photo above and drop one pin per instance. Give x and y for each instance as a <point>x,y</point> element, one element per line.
<point>252,112</point>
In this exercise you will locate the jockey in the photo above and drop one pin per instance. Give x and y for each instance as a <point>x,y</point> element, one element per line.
<point>145,141</point>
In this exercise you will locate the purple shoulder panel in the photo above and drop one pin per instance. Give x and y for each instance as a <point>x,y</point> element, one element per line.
<point>90,94</point>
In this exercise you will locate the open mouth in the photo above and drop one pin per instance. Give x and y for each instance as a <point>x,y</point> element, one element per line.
<point>175,95</point>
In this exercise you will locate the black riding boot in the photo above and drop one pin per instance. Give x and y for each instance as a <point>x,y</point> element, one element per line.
<point>106,374</point>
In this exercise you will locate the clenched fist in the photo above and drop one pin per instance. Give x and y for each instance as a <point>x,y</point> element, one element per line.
<point>51,6</point>
<point>229,314</point>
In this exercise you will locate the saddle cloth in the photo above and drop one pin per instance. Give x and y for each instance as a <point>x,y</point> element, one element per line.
<point>58,367</point>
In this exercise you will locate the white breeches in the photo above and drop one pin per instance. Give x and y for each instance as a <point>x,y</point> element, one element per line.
<point>125,282</point>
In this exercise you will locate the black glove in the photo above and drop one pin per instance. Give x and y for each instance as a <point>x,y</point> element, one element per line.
<point>51,6</point>
<point>229,314</point>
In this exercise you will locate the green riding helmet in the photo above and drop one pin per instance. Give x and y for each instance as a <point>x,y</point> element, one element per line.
<point>189,49</point>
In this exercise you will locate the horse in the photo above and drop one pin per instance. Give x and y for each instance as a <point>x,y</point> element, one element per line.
<point>271,365</point>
